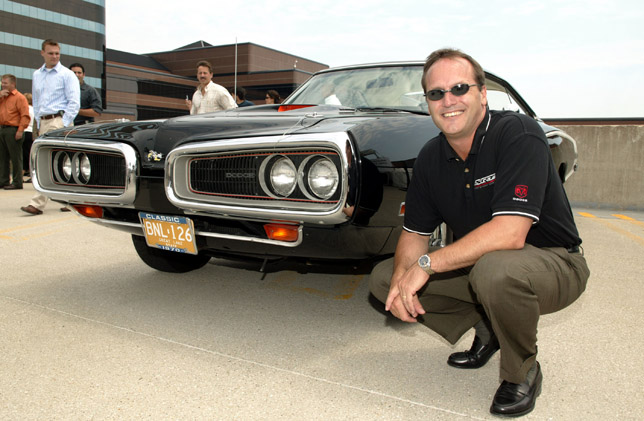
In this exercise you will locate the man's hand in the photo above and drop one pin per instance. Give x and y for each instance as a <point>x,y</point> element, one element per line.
<point>19,134</point>
<point>4,93</point>
<point>402,300</point>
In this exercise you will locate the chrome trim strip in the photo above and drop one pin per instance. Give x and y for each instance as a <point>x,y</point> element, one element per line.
<point>255,239</point>
<point>137,226</point>
<point>176,178</point>
<point>113,222</point>
<point>41,178</point>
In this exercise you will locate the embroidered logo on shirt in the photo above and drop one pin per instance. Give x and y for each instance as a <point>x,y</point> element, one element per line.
<point>521,192</point>
<point>485,181</point>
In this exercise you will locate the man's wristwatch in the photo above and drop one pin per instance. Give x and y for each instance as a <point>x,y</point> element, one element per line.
<point>425,263</point>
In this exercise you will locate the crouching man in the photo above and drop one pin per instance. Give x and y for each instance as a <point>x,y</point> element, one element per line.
<point>490,177</point>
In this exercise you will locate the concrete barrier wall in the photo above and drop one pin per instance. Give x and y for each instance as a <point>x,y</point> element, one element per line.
<point>611,166</point>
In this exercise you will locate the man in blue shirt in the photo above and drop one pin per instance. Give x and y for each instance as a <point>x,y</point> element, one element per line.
<point>56,101</point>
<point>240,98</point>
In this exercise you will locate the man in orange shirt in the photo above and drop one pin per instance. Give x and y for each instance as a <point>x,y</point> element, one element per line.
<point>14,119</point>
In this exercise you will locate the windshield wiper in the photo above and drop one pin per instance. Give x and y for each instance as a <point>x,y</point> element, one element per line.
<point>393,110</point>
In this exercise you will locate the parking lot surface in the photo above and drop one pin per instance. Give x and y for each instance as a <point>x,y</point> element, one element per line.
<point>87,331</point>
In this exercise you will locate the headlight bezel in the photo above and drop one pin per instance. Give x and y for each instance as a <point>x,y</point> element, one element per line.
<point>305,171</point>
<point>81,168</point>
<point>300,164</point>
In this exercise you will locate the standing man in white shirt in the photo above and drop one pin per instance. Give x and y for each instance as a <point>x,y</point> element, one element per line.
<point>56,101</point>
<point>209,96</point>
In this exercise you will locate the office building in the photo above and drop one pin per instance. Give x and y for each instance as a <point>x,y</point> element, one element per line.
<point>136,86</point>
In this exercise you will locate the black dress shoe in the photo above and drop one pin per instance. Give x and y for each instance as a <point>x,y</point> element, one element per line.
<point>514,400</point>
<point>477,355</point>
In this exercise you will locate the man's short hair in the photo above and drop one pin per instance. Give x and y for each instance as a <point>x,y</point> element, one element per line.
<point>77,65</point>
<point>204,63</point>
<point>12,78</point>
<point>241,93</point>
<point>479,74</point>
<point>51,42</point>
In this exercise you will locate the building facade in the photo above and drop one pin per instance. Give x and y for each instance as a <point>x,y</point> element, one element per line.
<point>156,85</point>
<point>77,25</point>
<point>136,86</point>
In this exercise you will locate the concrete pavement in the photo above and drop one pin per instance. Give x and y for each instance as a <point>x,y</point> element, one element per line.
<point>87,331</point>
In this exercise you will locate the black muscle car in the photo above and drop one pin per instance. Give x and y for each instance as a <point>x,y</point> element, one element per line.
<point>322,175</point>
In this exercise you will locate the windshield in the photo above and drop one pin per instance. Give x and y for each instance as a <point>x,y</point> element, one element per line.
<point>375,87</point>
<point>395,87</point>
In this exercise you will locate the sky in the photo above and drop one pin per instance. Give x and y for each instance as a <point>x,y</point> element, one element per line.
<point>567,59</point>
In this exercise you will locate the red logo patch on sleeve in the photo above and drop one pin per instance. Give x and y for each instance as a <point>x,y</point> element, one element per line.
<point>521,191</point>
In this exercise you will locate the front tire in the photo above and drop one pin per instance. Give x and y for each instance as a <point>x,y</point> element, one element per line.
<point>167,261</point>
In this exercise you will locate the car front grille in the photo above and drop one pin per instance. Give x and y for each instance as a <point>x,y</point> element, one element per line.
<point>242,175</point>
<point>231,175</point>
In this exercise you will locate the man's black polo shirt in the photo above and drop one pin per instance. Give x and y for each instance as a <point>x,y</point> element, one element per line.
<point>509,171</point>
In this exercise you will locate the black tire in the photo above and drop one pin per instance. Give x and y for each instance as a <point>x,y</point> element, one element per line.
<point>167,261</point>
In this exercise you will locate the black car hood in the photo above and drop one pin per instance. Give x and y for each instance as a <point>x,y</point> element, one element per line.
<point>156,138</point>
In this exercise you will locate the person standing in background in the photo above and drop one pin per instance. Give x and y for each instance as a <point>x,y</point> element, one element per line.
<point>240,98</point>
<point>27,141</point>
<point>56,99</point>
<point>14,119</point>
<point>90,101</point>
<point>209,97</point>
<point>272,97</point>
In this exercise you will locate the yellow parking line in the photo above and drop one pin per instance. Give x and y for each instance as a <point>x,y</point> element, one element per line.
<point>346,286</point>
<point>37,224</point>
<point>38,235</point>
<point>629,219</point>
<point>343,288</point>
<point>587,215</point>
<point>619,230</point>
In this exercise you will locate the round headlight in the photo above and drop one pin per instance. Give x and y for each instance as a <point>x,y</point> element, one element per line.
<point>283,176</point>
<point>85,167</point>
<point>323,178</point>
<point>67,167</point>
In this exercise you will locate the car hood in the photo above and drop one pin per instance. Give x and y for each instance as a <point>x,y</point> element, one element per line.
<point>154,139</point>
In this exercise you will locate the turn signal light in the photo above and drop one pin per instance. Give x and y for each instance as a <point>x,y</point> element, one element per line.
<point>89,211</point>
<point>281,232</point>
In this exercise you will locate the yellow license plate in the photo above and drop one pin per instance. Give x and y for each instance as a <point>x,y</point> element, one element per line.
<point>169,232</point>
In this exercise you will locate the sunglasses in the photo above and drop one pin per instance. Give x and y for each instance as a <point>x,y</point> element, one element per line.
<point>457,90</point>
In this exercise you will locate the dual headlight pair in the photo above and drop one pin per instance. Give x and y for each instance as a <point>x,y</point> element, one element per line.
<point>316,176</point>
<point>71,167</point>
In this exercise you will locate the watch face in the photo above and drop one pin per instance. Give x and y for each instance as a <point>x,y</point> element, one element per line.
<point>423,261</point>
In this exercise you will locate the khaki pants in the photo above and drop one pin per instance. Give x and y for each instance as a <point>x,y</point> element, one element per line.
<point>512,288</point>
<point>39,201</point>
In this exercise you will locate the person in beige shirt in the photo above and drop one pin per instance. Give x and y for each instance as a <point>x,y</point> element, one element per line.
<point>209,96</point>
